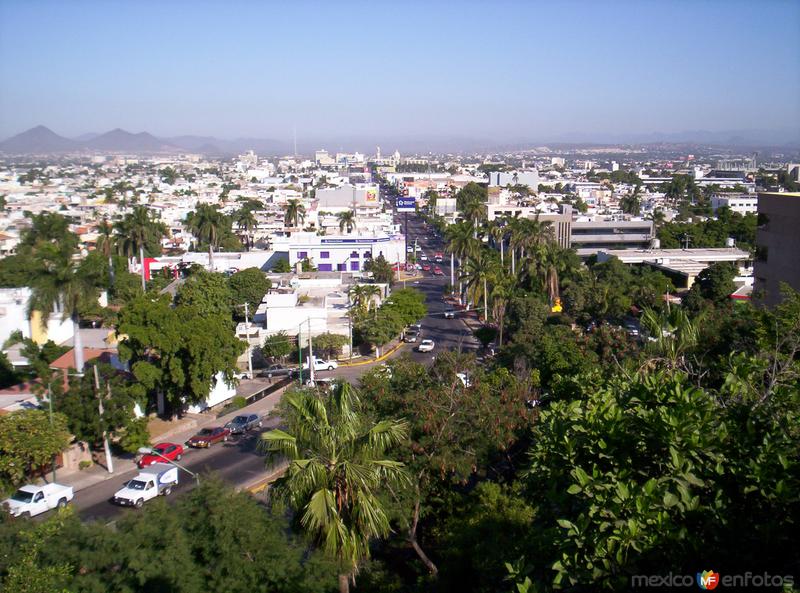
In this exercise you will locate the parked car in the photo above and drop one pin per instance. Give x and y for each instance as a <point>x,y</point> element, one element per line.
<point>31,500</point>
<point>208,436</point>
<point>322,365</point>
<point>426,267</point>
<point>157,479</point>
<point>411,336</point>
<point>243,423</point>
<point>171,451</point>
<point>423,257</point>
<point>437,271</point>
<point>275,370</point>
<point>425,346</point>
<point>449,314</point>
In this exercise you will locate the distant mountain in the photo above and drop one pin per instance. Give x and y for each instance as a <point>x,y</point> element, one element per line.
<point>118,140</point>
<point>85,137</point>
<point>38,140</point>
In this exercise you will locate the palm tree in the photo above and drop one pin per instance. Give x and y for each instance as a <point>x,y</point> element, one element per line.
<point>295,212</point>
<point>460,243</point>
<point>498,230</point>
<point>672,334</point>
<point>106,245</point>
<point>357,295</point>
<point>206,224</point>
<point>501,291</point>
<point>477,270</point>
<point>246,221</point>
<point>136,231</point>
<point>337,467</point>
<point>58,285</point>
<point>474,211</point>
<point>346,220</point>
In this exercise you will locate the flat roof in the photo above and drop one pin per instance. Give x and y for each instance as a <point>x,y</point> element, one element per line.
<point>672,256</point>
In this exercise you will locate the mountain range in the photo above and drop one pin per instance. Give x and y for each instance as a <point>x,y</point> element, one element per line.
<point>42,140</point>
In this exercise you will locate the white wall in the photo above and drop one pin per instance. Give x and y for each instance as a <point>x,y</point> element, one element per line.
<point>220,392</point>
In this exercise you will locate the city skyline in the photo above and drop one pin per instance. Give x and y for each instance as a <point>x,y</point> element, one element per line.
<point>576,72</point>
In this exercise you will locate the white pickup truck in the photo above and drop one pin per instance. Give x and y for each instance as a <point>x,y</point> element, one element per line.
<point>31,500</point>
<point>158,478</point>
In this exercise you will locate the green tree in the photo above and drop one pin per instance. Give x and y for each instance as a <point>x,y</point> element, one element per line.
<point>277,346</point>
<point>329,345</point>
<point>246,222</point>
<point>281,266</point>
<point>28,442</point>
<point>380,269</point>
<point>294,213</point>
<point>207,292</point>
<point>248,286</point>
<point>207,224</point>
<point>347,220</point>
<point>176,353</point>
<point>338,466</point>
<point>139,231</point>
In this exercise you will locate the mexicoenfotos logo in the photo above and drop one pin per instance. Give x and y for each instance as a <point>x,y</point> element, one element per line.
<point>708,580</point>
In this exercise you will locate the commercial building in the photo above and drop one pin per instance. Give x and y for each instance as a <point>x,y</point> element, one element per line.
<point>501,178</point>
<point>777,246</point>
<point>741,204</point>
<point>348,253</point>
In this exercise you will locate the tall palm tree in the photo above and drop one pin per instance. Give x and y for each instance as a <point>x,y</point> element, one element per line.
<point>245,221</point>
<point>372,295</point>
<point>474,211</point>
<point>499,230</point>
<point>501,292</point>
<point>478,267</point>
<point>358,295</point>
<point>346,220</point>
<point>57,284</point>
<point>294,213</point>
<point>106,244</point>
<point>206,224</point>
<point>136,231</point>
<point>338,464</point>
<point>460,243</point>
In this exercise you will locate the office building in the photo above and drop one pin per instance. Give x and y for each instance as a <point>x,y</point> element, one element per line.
<point>777,246</point>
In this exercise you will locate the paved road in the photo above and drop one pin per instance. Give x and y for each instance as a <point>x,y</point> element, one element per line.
<point>239,462</point>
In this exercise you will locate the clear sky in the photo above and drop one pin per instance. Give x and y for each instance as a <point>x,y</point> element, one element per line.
<point>497,70</point>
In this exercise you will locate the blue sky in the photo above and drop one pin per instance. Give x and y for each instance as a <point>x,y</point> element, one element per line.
<point>499,70</point>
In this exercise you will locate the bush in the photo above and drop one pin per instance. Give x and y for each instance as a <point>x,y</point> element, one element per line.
<point>85,464</point>
<point>135,436</point>
<point>237,403</point>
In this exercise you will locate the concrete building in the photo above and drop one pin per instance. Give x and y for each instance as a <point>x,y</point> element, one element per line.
<point>501,178</point>
<point>363,194</point>
<point>346,253</point>
<point>777,246</point>
<point>14,317</point>
<point>741,204</point>
<point>682,265</point>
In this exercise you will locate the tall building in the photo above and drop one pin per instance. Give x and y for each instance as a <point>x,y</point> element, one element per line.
<point>777,246</point>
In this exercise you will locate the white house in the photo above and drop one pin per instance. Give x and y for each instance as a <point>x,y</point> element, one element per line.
<point>349,253</point>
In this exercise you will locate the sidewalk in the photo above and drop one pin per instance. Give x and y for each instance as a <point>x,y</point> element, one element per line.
<point>82,479</point>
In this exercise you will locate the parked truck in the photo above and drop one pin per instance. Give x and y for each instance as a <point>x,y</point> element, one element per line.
<point>31,500</point>
<point>159,478</point>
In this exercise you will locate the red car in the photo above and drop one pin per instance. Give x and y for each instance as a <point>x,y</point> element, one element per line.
<point>426,267</point>
<point>171,451</point>
<point>437,271</point>
<point>208,436</point>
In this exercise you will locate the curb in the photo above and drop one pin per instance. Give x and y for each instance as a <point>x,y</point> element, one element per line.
<point>261,484</point>
<point>382,357</point>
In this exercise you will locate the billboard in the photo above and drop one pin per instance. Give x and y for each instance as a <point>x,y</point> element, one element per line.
<point>372,196</point>
<point>406,204</point>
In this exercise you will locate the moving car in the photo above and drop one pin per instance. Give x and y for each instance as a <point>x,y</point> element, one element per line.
<point>322,365</point>
<point>31,500</point>
<point>423,257</point>
<point>438,257</point>
<point>243,423</point>
<point>449,314</point>
<point>208,436</point>
<point>157,479</point>
<point>171,451</point>
<point>425,346</point>
<point>275,370</point>
<point>437,271</point>
<point>426,267</point>
<point>411,336</point>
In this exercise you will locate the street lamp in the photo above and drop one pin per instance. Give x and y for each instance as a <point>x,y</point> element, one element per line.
<point>149,451</point>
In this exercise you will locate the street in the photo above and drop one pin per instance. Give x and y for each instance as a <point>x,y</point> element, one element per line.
<point>238,461</point>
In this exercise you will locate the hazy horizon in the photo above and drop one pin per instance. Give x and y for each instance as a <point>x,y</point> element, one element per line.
<point>508,73</point>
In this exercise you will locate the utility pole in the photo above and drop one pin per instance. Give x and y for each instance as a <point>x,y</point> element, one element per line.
<point>310,354</point>
<point>247,332</point>
<point>106,448</point>
<point>141,259</point>
<point>50,404</point>
<point>300,352</point>
<point>350,323</point>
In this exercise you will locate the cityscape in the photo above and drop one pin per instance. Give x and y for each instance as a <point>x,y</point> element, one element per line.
<point>316,315</point>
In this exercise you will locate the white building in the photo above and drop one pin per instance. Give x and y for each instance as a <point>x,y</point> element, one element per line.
<point>330,253</point>
<point>14,317</point>
<point>501,178</point>
<point>741,204</point>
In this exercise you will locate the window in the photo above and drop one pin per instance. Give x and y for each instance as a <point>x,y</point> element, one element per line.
<point>354,255</point>
<point>324,254</point>
<point>302,254</point>
<point>354,265</point>
<point>325,267</point>
<point>341,267</point>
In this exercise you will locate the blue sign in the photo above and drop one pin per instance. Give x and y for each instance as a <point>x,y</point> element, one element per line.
<point>406,204</point>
